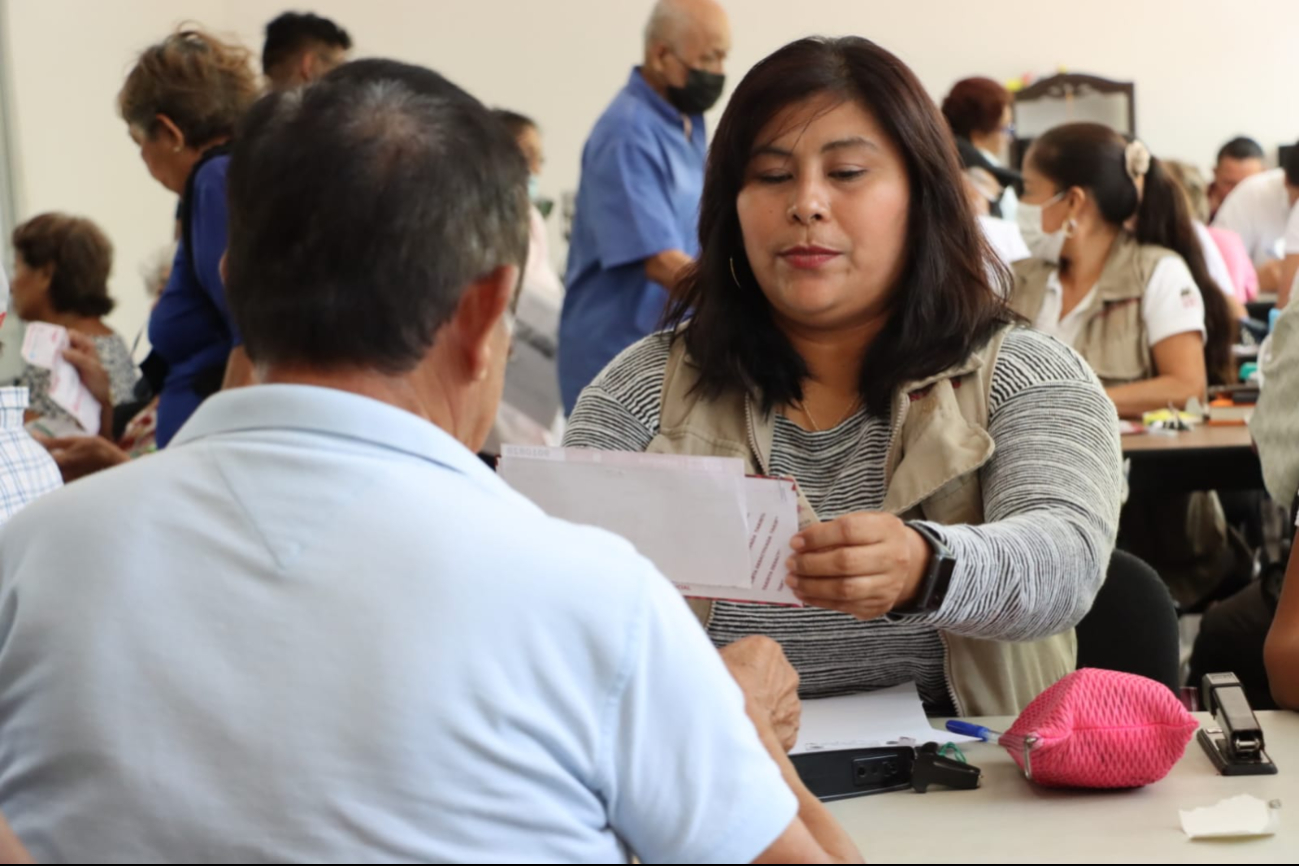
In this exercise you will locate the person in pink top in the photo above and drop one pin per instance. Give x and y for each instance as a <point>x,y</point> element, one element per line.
<point>1244,279</point>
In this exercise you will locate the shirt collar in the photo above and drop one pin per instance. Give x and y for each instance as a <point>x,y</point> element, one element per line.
<point>1053,285</point>
<point>331,412</point>
<point>640,88</point>
<point>13,401</point>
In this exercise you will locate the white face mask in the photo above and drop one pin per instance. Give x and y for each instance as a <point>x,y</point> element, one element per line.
<point>1043,245</point>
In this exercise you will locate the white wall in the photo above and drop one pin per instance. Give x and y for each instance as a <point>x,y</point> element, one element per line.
<point>1205,70</point>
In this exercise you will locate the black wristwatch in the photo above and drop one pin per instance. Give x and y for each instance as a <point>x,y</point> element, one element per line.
<point>942,562</point>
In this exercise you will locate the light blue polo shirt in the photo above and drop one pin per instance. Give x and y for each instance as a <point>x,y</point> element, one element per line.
<point>638,196</point>
<point>318,629</point>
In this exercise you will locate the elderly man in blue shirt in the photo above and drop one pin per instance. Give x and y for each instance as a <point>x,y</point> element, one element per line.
<point>635,226</point>
<point>324,630</point>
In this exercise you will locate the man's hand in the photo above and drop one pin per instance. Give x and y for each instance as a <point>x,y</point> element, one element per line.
<point>79,456</point>
<point>769,683</point>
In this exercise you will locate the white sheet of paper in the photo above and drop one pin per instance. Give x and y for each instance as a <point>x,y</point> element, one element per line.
<point>43,346</point>
<point>732,466</point>
<point>772,515</point>
<point>1242,815</point>
<point>67,392</point>
<point>888,717</point>
<point>767,508</point>
<point>690,524</point>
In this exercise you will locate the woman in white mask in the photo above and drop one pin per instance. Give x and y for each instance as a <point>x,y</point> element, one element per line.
<point>1117,271</point>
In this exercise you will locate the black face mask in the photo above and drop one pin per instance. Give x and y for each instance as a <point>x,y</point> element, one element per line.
<point>701,92</point>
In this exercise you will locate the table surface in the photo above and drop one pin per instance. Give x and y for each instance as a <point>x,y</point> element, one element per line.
<point>1202,437</point>
<point>1010,820</point>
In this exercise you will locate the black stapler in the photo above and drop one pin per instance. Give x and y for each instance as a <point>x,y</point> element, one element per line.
<point>1235,741</point>
<point>931,767</point>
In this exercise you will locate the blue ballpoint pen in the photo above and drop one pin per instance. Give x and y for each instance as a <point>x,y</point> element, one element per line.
<point>969,729</point>
<point>1010,741</point>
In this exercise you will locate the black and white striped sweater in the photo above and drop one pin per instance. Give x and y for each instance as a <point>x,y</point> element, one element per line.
<point>1051,494</point>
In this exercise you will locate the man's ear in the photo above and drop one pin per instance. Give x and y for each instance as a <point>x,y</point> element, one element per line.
<point>485,302</point>
<point>657,57</point>
<point>308,64</point>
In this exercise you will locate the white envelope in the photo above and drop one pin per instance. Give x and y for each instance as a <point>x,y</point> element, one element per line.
<point>712,531</point>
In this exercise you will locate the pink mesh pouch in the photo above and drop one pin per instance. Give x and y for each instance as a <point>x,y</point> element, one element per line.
<point>1100,729</point>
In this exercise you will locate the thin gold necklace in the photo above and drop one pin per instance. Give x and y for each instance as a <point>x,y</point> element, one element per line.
<point>816,428</point>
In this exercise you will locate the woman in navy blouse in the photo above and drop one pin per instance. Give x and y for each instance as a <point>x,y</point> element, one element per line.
<point>181,103</point>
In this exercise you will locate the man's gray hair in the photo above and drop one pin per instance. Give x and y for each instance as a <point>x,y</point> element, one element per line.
<point>668,19</point>
<point>361,208</point>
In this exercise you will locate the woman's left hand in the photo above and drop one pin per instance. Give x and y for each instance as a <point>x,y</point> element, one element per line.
<point>865,564</point>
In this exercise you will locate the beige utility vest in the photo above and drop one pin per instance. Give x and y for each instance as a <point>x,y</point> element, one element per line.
<point>1113,338</point>
<point>939,442</point>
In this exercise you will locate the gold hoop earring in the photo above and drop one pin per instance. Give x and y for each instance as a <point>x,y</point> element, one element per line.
<point>731,261</point>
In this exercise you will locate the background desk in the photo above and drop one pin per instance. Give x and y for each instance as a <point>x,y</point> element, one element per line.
<point>1206,458</point>
<point>1010,820</point>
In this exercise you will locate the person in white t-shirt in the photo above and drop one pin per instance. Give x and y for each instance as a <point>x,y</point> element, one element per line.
<point>1258,210</point>
<point>1290,264</point>
<point>1083,183</point>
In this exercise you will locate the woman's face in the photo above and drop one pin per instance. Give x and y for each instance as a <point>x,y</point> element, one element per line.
<point>164,155</point>
<point>823,210</point>
<point>30,289</point>
<point>1041,190</point>
<point>530,143</point>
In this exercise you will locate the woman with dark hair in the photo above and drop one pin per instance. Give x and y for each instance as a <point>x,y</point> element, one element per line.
<point>978,112</point>
<point>843,330</point>
<point>1118,272</point>
<point>61,267</point>
<point>181,102</point>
